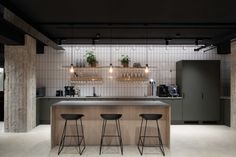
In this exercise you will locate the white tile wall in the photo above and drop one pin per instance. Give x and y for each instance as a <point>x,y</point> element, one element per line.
<point>52,75</point>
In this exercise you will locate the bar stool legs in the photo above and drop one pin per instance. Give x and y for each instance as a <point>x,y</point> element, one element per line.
<point>82,137</point>
<point>160,139</point>
<point>118,135</point>
<point>103,133</point>
<point>62,142</point>
<point>141,140</point>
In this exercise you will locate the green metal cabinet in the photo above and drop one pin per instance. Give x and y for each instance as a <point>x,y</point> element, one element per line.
<point>176,109</point>
<point>225,111</point>
<point>199,84</point>
<point>43,110</point>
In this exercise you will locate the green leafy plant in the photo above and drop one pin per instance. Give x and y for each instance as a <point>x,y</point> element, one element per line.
<point>125,60</point>
<point>91,58</point>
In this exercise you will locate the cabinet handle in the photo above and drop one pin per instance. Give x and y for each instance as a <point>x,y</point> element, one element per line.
<point>202,96</point>
<point>183,95</point>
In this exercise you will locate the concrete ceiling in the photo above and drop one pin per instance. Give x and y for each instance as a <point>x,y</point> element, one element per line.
<point>211,21</point>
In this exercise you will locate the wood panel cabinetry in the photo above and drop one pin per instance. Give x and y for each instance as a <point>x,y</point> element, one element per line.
<point>199,83</point>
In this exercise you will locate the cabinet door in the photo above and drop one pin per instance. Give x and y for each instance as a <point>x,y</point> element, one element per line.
<point>192,91</point>
<point>43,110</point>
<point>176,109</point>
<point>211,91</point>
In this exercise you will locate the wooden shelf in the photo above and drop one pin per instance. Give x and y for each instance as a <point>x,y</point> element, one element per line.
<point>95,74</point>
<point>127,79</point>
<point>106,67</point>
<point>87,79</point>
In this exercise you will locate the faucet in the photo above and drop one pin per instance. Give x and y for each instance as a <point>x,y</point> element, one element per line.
<point>94,93</point>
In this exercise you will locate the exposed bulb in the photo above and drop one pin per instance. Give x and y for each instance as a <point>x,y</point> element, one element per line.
<point>110,69</point>
<point>146,69</point>
<point>72,68</point>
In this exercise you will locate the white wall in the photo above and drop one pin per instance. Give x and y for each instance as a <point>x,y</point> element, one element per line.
<point>51,74</point>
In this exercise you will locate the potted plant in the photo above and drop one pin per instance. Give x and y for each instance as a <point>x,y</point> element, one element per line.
<point>91,58</point>
<point>125,60</point>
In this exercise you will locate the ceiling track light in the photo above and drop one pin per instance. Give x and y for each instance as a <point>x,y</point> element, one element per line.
<point>210,48</point>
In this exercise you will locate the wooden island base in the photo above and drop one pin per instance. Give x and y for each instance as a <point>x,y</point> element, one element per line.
<point>92,122</point>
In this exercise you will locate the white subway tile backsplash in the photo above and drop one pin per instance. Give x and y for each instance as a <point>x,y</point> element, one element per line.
<point>161,59</point>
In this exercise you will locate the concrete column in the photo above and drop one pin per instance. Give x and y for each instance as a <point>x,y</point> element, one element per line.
<point>233,84</point>
<point>20,87</point>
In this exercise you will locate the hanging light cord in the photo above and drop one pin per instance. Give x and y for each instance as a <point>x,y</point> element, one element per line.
<point>146,67</point>
<point>71,66</point>
<point>111,68</point>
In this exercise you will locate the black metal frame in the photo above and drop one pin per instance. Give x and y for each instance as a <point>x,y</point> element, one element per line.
<point>141,141</point>
<point>62,142</point>
<point>104,135</point>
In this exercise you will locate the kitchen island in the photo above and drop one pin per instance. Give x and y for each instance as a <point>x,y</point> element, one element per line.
<point>92,122</point>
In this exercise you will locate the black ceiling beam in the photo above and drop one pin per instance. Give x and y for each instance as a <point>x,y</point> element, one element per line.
<point>151,38</point>
<point>18,22</point>
<point>135,41</point>
<point>141,25</point>
<point>150,28</point>
<point>10,35</point>
<point>134,23</point>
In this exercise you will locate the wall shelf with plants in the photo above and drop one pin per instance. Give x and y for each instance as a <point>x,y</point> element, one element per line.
<point>95,74</point>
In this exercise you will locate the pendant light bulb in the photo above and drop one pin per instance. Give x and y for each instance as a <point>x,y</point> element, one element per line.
<point>72,68</point>
<point>146,69</point>
<point>110,68</point>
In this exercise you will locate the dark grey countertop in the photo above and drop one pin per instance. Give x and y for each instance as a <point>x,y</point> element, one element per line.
<point>113,98</point>
<point>111,103</point>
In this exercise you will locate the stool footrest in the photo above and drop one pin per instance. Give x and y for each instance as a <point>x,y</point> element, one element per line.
<point>72,136</point>
<point>147,145</point>
<point>149,136</point>
<point>110,145</point>
<point>110,136</point>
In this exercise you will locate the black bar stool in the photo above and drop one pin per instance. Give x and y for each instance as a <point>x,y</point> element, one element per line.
<point>141,141</point>
<point>116,118</point>
<point>81,139</point>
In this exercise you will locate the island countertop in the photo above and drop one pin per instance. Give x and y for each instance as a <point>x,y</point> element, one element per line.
<point>111,103</point>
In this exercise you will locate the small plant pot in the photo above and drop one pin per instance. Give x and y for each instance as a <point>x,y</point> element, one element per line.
<point>125,65</point>
<point>93,65</point>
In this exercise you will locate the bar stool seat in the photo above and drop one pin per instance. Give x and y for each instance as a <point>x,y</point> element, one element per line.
<point>151,116</point>
<point>111,116</point>
<point>141,141</point>
<point>71,116</point>
<point>114,117</point>
<point>80,138</point>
